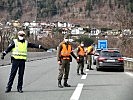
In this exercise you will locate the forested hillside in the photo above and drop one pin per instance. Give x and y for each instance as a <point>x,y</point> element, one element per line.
<point>98,13</point>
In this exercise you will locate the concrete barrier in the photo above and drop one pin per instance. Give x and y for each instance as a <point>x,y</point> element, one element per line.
<point>30,57</point>
<point>128,63</point>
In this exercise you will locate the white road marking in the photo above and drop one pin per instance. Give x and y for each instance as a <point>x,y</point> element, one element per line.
<point>129,73</point>
<point>77,92</point>
<point>87,70</point>
<point>3,66</point>
<point>84,76</point>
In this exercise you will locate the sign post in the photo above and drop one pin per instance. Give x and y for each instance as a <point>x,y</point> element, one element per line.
<point>102,44</point>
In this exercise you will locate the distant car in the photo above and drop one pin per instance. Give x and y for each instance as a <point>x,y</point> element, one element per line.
<point>110,59</point>
<point>51,50</point>
<point>96,54</point>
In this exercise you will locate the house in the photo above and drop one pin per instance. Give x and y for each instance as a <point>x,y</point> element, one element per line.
<point>94,32</point>
<point>77,30</point>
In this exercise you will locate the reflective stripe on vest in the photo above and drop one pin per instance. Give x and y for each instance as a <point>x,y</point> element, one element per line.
<point>81,51</point>
<point>20,50</point>
<point>65,52</point>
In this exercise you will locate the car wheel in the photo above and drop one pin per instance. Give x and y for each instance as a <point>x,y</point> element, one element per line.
<point>121,70</point>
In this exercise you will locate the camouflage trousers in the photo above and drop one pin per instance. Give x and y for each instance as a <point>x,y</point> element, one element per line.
<point>64,70</point>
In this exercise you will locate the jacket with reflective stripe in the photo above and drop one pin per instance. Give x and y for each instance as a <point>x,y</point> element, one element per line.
<point>81,51</point>
<point>20,50</point>
<point>65,52</point>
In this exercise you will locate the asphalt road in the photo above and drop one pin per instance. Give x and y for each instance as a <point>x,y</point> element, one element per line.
<point>40,83</point>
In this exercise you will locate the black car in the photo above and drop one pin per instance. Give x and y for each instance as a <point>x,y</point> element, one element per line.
<point>110,59</point>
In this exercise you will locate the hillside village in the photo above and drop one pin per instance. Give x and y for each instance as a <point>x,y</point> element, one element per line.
<point>45,29</point>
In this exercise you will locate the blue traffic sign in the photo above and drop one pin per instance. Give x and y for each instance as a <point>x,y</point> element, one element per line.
<point>102,44</point>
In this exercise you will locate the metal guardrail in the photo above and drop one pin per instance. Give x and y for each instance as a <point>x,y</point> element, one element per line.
<point>128,63</point>
<point>128,59</point>
<point>31,57</point>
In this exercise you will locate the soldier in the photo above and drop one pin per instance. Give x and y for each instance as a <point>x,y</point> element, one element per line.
<point>81,55</point>
<point>64,58</point>
<point>18,57</point>
<point>90,52</point>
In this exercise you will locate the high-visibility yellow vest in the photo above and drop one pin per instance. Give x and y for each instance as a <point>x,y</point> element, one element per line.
<point>81,51</point>
<point>20,50</point>
<point>65,52</point>
<point>90,49</point>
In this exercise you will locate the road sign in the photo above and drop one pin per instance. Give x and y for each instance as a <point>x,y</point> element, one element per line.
<point>102,44</point>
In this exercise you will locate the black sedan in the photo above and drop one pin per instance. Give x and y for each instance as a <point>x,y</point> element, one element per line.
<point>110,59</point>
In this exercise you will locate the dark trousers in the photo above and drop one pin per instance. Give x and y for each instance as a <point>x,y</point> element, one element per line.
<point>80,64</point>
<point>64,70</point>
<point>89,62</point>
<point>20,66</point>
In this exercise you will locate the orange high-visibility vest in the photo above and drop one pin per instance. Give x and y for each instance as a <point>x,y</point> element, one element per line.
<point>81,51</point>
<point>65,52</point>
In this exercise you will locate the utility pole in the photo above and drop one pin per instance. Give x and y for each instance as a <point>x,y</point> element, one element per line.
<point>35,22</point>
<point>1,39</point>
<point>36,12</point>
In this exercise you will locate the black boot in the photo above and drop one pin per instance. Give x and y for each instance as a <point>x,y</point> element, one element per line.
<point>66,84</point>
<point>87,66</point>
<point>8,90</point>
<point>90,68</point>
<point>59,84</point>
<point>82,73</point>
<point>78,72</point>
<point>20,90</point>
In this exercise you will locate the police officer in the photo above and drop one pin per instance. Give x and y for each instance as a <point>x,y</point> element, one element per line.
<point>90,52</point>
<point>18,57</point>
<point>81,55</point>
<point>64,58</point>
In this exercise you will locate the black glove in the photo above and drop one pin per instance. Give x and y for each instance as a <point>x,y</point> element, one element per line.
<point>70,58</point>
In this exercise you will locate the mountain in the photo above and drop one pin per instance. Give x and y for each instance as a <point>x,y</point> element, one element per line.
<point>94,13</point>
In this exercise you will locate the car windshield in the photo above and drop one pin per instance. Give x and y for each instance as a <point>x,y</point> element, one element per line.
<point>111,54</point>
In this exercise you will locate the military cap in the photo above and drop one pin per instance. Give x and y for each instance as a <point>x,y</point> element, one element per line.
<point>21,33</point>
